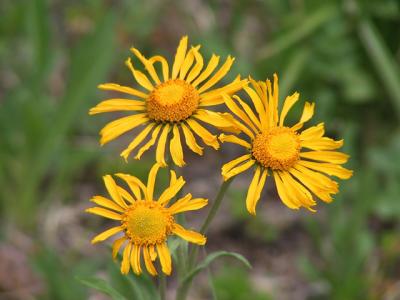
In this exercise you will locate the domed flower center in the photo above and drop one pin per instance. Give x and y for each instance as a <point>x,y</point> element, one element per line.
<point>277,148</point>
<point>147,223</point>
<point>172,101</point>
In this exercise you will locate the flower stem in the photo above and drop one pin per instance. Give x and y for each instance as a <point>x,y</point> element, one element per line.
<point>184,288</point>
<point>162,285</point>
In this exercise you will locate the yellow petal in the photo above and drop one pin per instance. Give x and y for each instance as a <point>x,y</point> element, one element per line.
<point>307,114</point>
<point>106,234</point>
<point>313,132</point>
<point>219,120</point>
<point>185,204</point>
<point>122,89</point>
<point>175,147</point>
<point>165,258</point>
<point>125,265</point>
<point>117,105</point>
<point>189,235</point>
<point>117,245</point>
<point>191,140</point>
<point>212,64</point>
<point>172,178</point>
<point>134,183</point>
<point>139,76</point>
<point>234,139</point>
<point>136,141</point>
<point>150,143</point>
<point>160,151</point>
<point>125,195</point>
<point>295,188</point>
<point>238,112</point>
<point>218,75</point>
<point>258,104</point>
<point>286,199</point>
<point>197,67</point>
<point>107,203</point>
<point>187,63</point>
<point>104,213</point>
<point>323,143</point>
<point>148,262</point>
<point>118,127</point>
<point>287,105</point>
<point>135,260</point>
<point>326,156</point>
<point>179,56</point>
<point>203,133</point>
<point>230,165</point>
<point>327,168</point>
<point>151,181</point>
<point>239,169</point>
<point>164,65</point>
<point>318,178</point>
<point>113,190</point>
<point>214,97</point>
<point>249,112</point>
<point>148,65</point>
<point>255,189</point>
<point>171,191</point>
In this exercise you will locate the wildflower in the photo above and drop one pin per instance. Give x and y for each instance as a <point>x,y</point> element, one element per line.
<point>145,223</point>
<point>274,147</point>
<point>176,103</point>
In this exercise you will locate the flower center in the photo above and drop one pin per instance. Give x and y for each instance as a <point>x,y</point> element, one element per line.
<point>172,101</point>
<point>277,148</point>
<point>147,223</point>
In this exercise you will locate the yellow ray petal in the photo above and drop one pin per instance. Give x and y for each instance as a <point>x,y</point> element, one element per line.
<point>286,199</point>
<point>135,260</point>
<point>151,181</point>
<point>125,265</point>
<point>148,65</point>
<point>191,140</point>
<point>297,190</point>
<point>122,89</point>
<point>197,67</point>
<point>179,56</point>
<point>218,120</point>
<point>234,139</point>
<point>287,105</point>
<point>307,114</point>
<point>134,183</point>
<point>147,261</point>
<point>212,64</point>
<point>160,151</point>
<point>172,177</point>
<point>175,147</point>
<point>136,141</point>
<point>113,190</point>
<point>187,63</point>
<point>117,245</point>
<point>204,134</point>
<point>106,234</point>
<point>249,112</point>
<point>117,104</point>
<point>323,143</point>
<point>313,132</point>
<point>214,97</point>
<point>258,104</point>
<point>218,75</point>
<point>171,191</point>
<point>239,169</point>
<point>125,195</point>
<point>104,213</point>
<point>153,253</point>
<point>165,258</point>
<point>164,65</point>
<point>189,235</point>
<point>327,168</point>
<point>118,127</point>
<point>238,112</point>
<point>328,184</point>
<point>326,156</point>
<point>230,165</point>
<point>150,143</point>
<point>185,204</point>
<point>255,189</point>
<point>139,76</point>
<point>107,203</point>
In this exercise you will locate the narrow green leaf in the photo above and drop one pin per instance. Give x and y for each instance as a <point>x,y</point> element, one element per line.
<point>210,258</point>
<point>102,286</point>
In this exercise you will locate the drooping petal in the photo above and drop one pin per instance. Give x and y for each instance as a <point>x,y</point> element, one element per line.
<point>150,143</point>
<point>106,234</point>
<point>255,189</point>
<point>165,258</point>
<point>298,190</point>
<point>189,235</point>
<point>137,140</point>
<point>191,140</point>
<point>148,262</point>
<point>125,265</point>
<point>135,260</point>
<point>160,151</point>
<point>285,197</point>
<point>117,245</point>
<point>176,147</point>
<point>204,134</point>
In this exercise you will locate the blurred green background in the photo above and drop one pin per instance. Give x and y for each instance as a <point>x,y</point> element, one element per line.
<point>344,55</point>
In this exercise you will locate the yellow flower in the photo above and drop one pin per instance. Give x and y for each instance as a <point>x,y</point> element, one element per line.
<point>280,149</point>
<point>176,103</point>
<point>144,223</point>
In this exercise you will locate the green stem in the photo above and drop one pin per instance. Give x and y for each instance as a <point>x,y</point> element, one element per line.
<point>184,288</point>
<point>162,284</point>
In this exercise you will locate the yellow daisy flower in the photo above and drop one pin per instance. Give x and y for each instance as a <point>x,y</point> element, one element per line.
<point>298,174</point>
<point>176,103</point>
<point>144,223</point>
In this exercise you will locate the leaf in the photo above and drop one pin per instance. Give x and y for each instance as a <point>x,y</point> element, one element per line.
<point>102,286</point>
<point>210,258</point>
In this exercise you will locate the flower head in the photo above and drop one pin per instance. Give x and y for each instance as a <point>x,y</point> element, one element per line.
<point>172,104</point>
<point>144,223</point>
<point>280,149</point>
